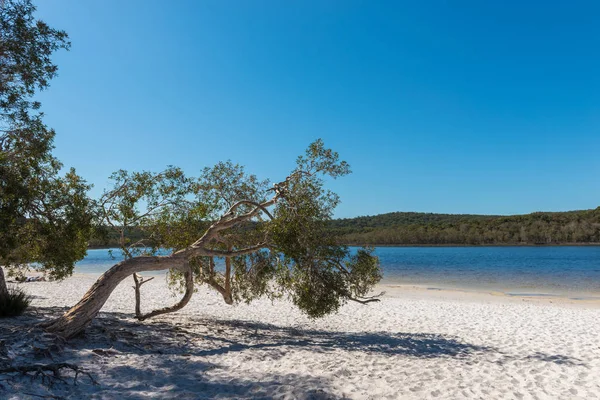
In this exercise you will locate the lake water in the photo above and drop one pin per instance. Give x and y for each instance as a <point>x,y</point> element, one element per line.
<point>566,271</point>
<point>523,270</point>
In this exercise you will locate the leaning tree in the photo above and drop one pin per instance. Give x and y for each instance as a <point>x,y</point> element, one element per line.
<point>231,231</point>
<point>45,217</point>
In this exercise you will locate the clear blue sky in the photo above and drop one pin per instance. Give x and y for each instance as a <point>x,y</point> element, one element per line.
<point>455,107</point>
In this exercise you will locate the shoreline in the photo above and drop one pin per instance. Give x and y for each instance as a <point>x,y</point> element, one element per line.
<point>591,298</point>
<point>479,245</point>
<point>435,245</point>
<point>397,289</point>
<point>532,293</point>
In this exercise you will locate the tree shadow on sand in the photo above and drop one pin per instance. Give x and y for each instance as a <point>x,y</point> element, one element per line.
<point>209,337</point>
<point>177,334</point>
<point>176,351</point>
<point>188,380</point>
<point>136,360</point>
<point>256,335</point>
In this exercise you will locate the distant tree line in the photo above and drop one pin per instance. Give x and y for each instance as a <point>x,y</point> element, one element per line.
<point>111,238</point>
<point>542,228</point>
<point>411,228</point>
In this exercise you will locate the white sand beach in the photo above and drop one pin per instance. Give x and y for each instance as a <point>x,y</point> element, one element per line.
<point>414,344</point>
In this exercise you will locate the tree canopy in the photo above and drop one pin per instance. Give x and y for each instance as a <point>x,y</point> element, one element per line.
<point>45,216</point>
<point>233,232</point>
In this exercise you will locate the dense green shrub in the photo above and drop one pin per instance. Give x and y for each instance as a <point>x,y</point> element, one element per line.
<point>14,303</point>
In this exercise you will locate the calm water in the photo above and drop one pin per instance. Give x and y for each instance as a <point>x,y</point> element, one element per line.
<point>553,270</point>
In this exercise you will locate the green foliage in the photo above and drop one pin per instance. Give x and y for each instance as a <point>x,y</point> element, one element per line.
<point>364,272</point>
<point>44,217</point>
<point>255,276</point>
<point>14,303</point>
<point>269,242</point>
<point>402,218</point>
<point>321,275</point>
<point>219,187</point>
<point>152,207</point>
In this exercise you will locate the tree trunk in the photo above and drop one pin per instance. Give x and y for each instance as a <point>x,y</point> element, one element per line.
<point>3,287</point>
<point>189,290</point>
<point>227,296</point>
<point>74,321</point>
<point>138,284</point>
<point>139,281</point>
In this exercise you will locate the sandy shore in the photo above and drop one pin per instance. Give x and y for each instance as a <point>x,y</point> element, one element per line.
<point>414,344</point>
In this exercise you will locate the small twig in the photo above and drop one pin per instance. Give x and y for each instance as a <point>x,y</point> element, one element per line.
<point>142,280</point>
<point>374,296</point>
<point>146,280</point>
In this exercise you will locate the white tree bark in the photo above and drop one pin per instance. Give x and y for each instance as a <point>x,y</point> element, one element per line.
<point>3,287</point>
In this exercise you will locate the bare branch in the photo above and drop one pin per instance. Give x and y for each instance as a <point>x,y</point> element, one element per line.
<point>139,281</point>
<point>137,294</point>
<point>146,280</point>
<point>228,298</point>
<point>139,243</point>
<point>234,253</point>
<point>189,290</point>
<point>364,301</point>
<point>215,285</point>
<point>369,299</point>
<point>231,222</point>
<point>255,204</point>
<point>227,221</point>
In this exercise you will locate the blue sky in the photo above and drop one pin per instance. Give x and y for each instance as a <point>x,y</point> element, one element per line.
<point>489,107</point>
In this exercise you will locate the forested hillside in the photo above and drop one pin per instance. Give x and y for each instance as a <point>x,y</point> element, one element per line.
<point>576,227</point>
<point>410,228</point>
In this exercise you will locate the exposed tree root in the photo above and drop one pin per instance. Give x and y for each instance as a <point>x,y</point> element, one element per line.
<point>39,370</point>
<point>44,396</point>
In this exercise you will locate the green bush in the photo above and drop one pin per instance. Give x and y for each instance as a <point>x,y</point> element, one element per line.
<point>14,303</point>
